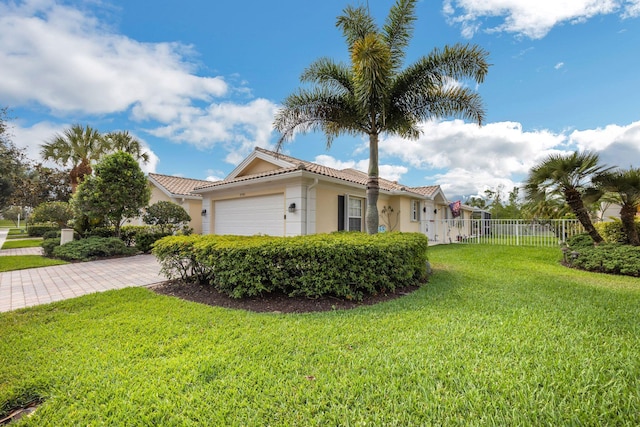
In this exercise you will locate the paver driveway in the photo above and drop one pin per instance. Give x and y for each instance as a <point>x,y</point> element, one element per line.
<point>25,288</point>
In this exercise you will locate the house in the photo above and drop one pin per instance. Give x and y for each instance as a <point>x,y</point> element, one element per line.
<point>275,194</point>
<point>179,190</point>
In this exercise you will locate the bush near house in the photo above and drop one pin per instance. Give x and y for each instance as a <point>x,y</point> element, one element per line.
<point>141,236</point>
<point>346,265</point>
<point>89,249</point>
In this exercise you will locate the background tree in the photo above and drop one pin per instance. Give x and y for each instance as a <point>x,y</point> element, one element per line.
<point>14,213</point>
<point>40,184</point>
<point>76,148</point>
<point>167,215</point>
<point>59,212</point>
<point>118,190</point>
<point>123,141</point>
<point>12,162</point>
<point>567,176</point>
<point>625,184</point>
<point>374,96</point>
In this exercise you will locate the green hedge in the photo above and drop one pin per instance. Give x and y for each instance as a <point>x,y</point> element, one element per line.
<point>38,230</point>
<point>91,248</point>
<point>613,232</point>
<point>346,265</point>
<point>609,258</point>
<point>49,244</point>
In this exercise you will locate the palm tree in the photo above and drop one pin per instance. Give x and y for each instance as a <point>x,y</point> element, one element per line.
<point>123,141</point>
<point>373,95</point>
<point>625,184</point>
<point>77,147</point>
<point>568,176</point>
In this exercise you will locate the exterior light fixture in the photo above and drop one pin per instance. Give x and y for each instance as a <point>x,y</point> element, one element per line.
<point>292,207</point>
<point>204,212</point>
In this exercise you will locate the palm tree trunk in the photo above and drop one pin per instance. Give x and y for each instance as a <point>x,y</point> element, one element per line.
<point>627,216</point>
<point>574,200</point>
<point>373,188</point>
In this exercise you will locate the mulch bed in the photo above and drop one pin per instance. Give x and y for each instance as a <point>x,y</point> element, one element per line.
<point>270,303</point>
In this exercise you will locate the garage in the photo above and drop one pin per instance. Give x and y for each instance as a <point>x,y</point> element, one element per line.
<point>250,215</point>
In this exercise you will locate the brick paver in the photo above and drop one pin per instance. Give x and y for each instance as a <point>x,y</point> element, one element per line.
<point>25,288</point>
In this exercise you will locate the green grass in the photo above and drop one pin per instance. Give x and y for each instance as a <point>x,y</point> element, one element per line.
<point>22,262</point>
<point>7,223</point>
<point>24,243</point>
<point>500,336</point>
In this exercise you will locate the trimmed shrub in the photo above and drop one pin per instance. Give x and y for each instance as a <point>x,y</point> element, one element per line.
<point>145,239</point>
<point>178,258</point>
<point>346,265</point>
<point>92,248</point>
<point>101,232</point>
<point>48,245</point>
<point>169,216</point>
<point>580,241</point>
<point>610,258</point>
<point>38,230</point>
<point>53,234</point>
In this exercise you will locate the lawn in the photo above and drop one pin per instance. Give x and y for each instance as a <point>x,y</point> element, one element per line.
<point>24,243</point>
<point>21,262</point>
<point>500,336</point>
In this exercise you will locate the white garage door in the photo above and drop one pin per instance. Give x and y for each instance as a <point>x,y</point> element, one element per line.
<point>250,215</point>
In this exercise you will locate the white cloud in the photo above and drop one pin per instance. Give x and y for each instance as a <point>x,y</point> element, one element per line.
<point>533,19</point>
<point>69,62</point>
<point>476,157</point>
<point>239,128</point>
<point>558,65</point>
<point>390,172</point>
<point>617,145</point>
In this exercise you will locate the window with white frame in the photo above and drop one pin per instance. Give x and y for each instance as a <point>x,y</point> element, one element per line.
<point>355,214</point>
<point>415,210</point>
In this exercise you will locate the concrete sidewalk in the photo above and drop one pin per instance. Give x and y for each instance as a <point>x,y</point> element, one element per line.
<point>25,288</point>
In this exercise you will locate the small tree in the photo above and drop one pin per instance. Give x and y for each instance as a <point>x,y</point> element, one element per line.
<point>12,213</point>
<point>58,212</point>
<point>167,215</point>
<point>118,190</point>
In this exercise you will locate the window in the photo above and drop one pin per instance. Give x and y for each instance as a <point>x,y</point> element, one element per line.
<point>415,210</point>
<point>350,213</point>
<point>355,214</point>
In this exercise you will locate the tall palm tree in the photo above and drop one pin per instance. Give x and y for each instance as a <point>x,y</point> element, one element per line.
<point>568,176</point>
<point>123,141</point>
<point>372,95</point>
<point>625,184</point>
<point>76,148</point>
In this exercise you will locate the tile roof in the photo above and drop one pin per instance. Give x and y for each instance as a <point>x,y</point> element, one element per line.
<point>177,185</point>
<point>349,175</point>
<point>428,190</point>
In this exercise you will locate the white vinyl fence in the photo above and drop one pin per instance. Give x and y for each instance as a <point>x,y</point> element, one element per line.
<point>514,232</point>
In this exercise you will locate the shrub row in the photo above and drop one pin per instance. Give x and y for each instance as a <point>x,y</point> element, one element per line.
<point>87,249</point>
<point>38,230</point>
<point>609,258</point>
<point>346,265</point>
<point>141,236</point>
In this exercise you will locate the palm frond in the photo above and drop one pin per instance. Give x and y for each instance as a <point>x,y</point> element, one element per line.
<point>355,23</point>
<point>459,62</point>
<point>329,74</point>
<point>398,30</point>
<point>318,109</point>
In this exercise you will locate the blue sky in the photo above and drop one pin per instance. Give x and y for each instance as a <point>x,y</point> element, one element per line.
<point>198,81</point>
